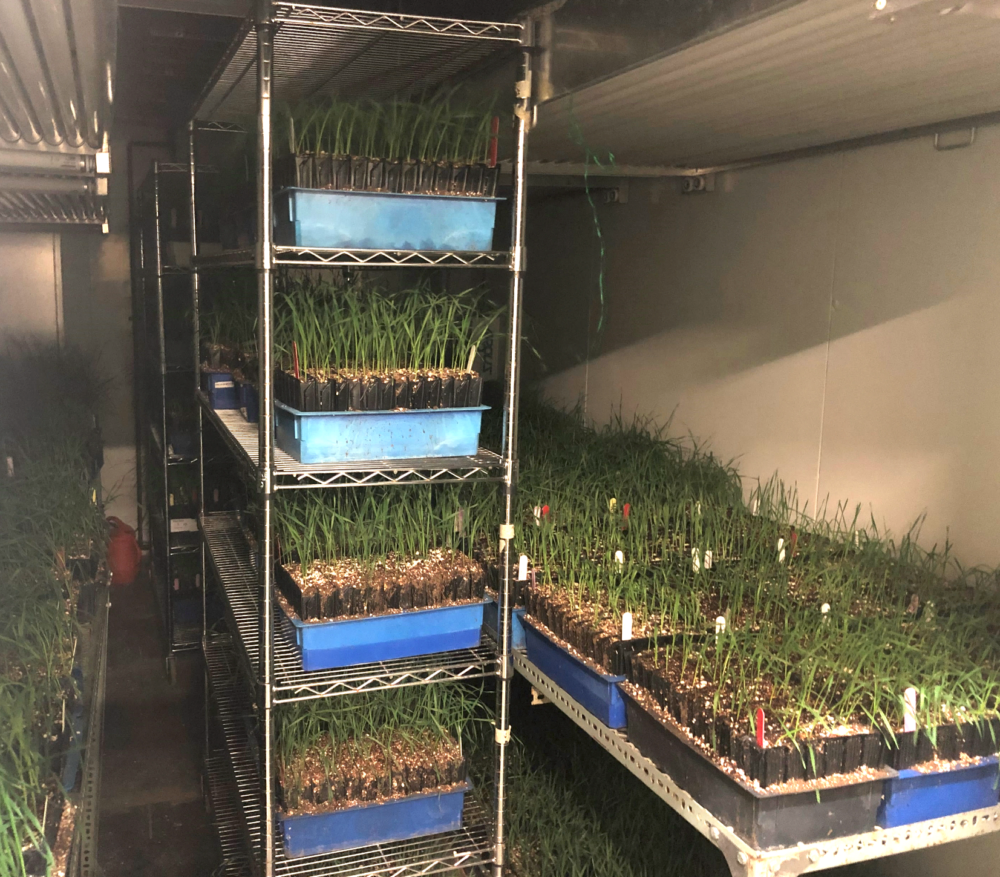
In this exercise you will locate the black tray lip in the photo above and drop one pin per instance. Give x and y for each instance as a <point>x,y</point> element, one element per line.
<point>885,774</point>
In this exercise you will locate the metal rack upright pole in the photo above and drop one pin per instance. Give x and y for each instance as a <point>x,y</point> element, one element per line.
<point>265,435</point>
<point>168,613</point>
<point>196,334</point>
<point>522,114</point>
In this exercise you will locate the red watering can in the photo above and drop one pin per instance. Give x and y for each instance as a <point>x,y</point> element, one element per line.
<point>124,554</point>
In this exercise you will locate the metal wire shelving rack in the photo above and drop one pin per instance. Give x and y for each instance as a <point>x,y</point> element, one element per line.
<point>289,51</point>
<point>162,296</point>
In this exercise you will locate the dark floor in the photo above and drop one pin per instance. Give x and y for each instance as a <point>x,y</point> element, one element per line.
<point>153,819</point>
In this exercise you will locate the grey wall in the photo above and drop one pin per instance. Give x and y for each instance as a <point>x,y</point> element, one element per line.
<point>834,319</point>
<point>30,286</point>
<point>97,302</point>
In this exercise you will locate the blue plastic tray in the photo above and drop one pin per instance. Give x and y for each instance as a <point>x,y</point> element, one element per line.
<point>353,436</point>
<point>596,692</point>
<point>220,389</point>
<point>413,816</point>
<point>325,645</point>
<point>914,796</point>
<point>249,402</point>
<point>490,613</point>
<point>383,221</point>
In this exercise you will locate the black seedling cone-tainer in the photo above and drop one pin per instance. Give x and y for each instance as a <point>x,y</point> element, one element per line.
<point>764,819</point>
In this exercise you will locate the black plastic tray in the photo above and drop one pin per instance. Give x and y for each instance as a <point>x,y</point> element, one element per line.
<point>763,819</point>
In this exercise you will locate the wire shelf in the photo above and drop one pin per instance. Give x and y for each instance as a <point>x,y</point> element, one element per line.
<point>320,51</point>
<point>325,257</point>
<point>232,562</point>
<point>226,816</point>
<point>242,439</point>
<point>467,847</point>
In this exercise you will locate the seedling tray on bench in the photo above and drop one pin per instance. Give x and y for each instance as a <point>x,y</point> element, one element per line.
<point>364,824</point>
<point>916,796</point>
<point>355,436</point>
<point>383,220</point>
<point>763,818</point>
<point>596,692</point>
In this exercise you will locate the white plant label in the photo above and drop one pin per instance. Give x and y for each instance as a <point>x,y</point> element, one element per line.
<point>538,515</point>
<point>910,710</point>
<point>612,504</point>
<point>697,507</point>
<point>708,559</point>
<point>754,506</point>
<point>626,626</point>
<point>620,557</point>
<point>781,549</point>
<point>720,626</point>
<point>695,560</point>
<point>10,469</point>
<point>522,568</point>
<point>857,539</point>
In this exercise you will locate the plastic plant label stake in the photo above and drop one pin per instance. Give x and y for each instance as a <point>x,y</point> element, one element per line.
<point>825,610</point>
<point>620,557</point>
<point>522,568</point>
<point>760,727</point>
<point>720,627</point>
<point>538,515</point>
<point>626,626</point>
<point>612,504</point>
<point>910,710</point>
<point>781,549</point>
<point>708,559</point>
<point>695,560</point>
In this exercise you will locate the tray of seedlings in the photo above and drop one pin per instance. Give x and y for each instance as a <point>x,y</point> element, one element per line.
<point>383,573</point>
<point>228,345</point>
<point>365,374</point>
<point>417,174</point>
<point>52,540</point>
<point>372,768</point>
<point>782,670</point>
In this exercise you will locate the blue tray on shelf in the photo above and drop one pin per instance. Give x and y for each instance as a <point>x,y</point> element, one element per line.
<point>490,613</point>
<point>383,220</point>
<point>355,436</point>
<point>326,645</point>
<point>220,388</point>
<point>914,796</point>
<point>365,824</point>
<point>596,692</point>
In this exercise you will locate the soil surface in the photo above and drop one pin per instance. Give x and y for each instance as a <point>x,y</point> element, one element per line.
<point>330,777</point>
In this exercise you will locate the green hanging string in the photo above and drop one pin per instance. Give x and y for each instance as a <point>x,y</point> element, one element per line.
<point>589,155</point>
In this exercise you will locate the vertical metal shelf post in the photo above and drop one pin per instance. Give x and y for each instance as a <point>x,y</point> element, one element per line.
<point>522,122</point>
<point>265,422</point>
<point>168,612</point>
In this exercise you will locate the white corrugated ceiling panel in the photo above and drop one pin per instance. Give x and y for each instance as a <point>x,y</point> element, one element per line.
<point>56,72</point>
<point>815,73</point>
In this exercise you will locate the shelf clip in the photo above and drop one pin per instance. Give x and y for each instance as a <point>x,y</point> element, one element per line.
<point>506,535</point>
